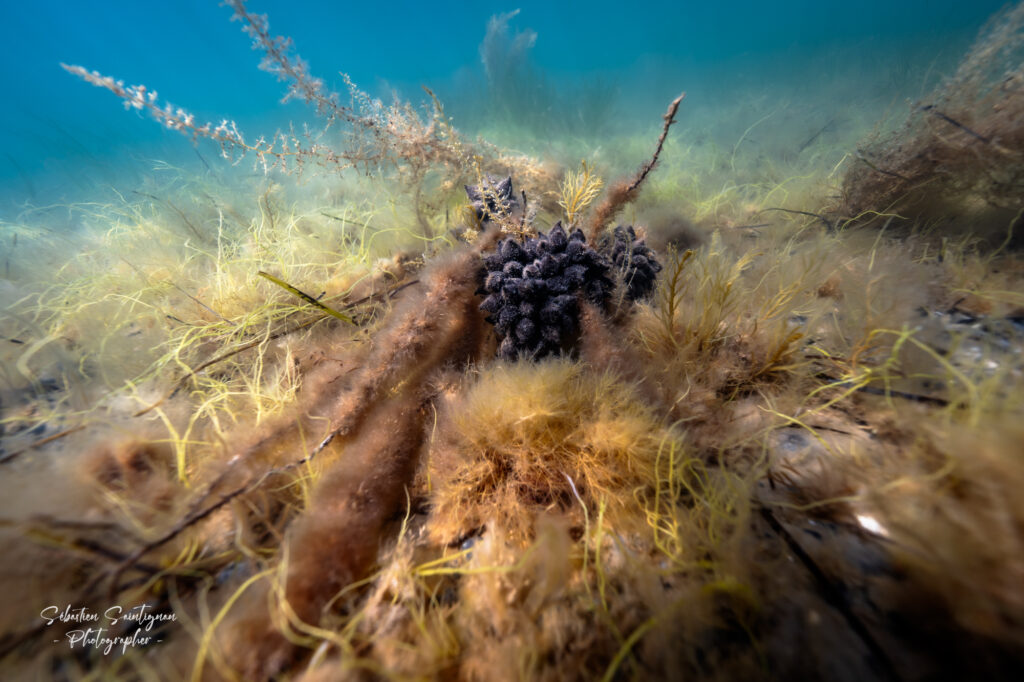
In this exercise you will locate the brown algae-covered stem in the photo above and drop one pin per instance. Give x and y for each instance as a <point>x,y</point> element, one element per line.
<point>624,190</point>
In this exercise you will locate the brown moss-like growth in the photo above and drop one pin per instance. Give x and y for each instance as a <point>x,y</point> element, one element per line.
<point>141,472</point>
<point>959,156</point>
<point>334,543</point>
<point>425,331</point>
<point>962,535</point>
<point>529,436</point>
<point>380,415</point>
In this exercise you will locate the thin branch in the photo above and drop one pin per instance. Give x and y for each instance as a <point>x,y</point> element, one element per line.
<point>669,120</point>
<point>198,514</point>
<point>860,156</point>
<point>953,122</point>
<point>39,443</point>
<point>181,214</point>
<point>624,191</point>
<point>820,217</point>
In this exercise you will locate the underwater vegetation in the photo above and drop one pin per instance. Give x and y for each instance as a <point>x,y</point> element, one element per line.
<point>410,405</point>
<point>956,153</point>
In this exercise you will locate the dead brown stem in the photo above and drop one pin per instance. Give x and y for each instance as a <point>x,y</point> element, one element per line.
<point>625,190</point>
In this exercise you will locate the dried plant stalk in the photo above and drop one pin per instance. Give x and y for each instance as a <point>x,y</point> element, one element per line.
<point>626,190</point>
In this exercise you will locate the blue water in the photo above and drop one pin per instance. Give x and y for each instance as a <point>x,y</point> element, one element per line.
<point>61,135</point>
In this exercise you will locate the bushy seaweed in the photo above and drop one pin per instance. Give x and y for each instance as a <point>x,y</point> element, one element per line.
<point>956,159</point>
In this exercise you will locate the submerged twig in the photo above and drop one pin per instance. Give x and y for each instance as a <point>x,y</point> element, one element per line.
<point>820,217</point>
<point>624,191</point>
<point>860,156</point>
<point>815,136</point>
<point>39,443</point>
<point>190,296</point>
<point>930,108</point>
<point>199,512</point>
<point>181,214</point>
<point>669,120</point>
<point>198,515</point>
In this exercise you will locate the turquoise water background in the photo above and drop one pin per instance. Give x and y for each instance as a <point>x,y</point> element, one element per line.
<point>63,137</point>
